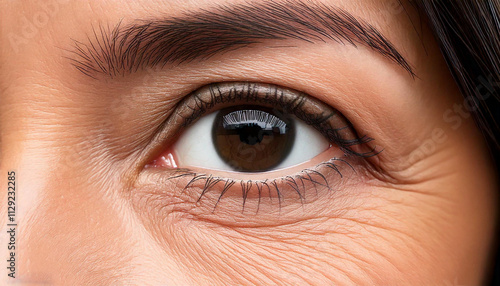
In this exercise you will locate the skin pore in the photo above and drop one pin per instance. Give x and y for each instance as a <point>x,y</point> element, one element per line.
<point>421,212</point>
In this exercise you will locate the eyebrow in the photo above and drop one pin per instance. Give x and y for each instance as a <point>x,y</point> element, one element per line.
<point>207,32</point>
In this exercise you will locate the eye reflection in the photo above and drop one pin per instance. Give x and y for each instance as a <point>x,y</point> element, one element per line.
<point>253,138</point>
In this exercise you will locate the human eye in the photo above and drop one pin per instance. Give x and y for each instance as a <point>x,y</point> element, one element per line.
<point>257,140</point>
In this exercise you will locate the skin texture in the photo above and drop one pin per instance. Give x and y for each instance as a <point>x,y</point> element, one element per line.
<point>422,212</point>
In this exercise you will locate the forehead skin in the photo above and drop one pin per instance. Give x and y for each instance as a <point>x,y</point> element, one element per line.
<point>428,220</point>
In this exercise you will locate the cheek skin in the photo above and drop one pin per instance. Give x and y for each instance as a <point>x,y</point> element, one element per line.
<point>82,235</point>
<point>388,236</point>
<point>377,235</point>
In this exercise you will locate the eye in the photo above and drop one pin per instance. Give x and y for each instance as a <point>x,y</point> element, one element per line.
<point>247,130</point>
<point>248,138</point>
<point>249,127</point>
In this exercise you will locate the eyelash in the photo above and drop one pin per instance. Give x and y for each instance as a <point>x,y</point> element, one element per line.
<point>249,93</point>
<point>295,182</point>
<point>230,93</point>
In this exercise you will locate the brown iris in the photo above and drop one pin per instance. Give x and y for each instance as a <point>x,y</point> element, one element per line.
<point>253,138</point>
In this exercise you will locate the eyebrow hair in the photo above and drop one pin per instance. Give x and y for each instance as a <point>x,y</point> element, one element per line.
<point>204,33</point>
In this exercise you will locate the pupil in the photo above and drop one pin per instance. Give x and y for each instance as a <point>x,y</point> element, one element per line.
<point>251,134</point>
<point>253,138</point>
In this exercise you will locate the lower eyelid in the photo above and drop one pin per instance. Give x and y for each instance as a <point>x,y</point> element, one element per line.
<point>211,192</point>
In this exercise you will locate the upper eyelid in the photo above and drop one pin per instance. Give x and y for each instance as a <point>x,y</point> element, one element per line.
<point>126,49</point>
<point>307,108</point>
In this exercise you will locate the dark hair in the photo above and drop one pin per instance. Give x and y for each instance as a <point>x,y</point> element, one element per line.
<point>468,32</point>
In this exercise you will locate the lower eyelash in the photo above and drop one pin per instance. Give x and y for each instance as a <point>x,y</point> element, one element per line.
<point>314,177</point>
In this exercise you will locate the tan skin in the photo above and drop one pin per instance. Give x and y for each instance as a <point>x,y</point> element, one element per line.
<point>89,213</point>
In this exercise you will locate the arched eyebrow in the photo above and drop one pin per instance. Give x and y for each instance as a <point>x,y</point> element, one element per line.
<point>204,33</point>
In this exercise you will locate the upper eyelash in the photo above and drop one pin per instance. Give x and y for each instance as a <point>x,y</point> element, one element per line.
<point>249,95</point>
<point>249,92</point>
<point>295,182</point>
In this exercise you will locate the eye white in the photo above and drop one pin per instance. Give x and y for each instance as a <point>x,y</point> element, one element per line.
<point>195,147</point>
